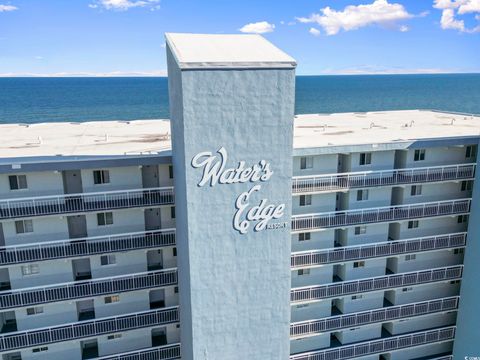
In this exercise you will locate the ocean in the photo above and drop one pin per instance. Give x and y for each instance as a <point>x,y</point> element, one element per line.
<point>34,100</point>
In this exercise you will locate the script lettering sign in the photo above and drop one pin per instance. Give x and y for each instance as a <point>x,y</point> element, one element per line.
<point>215,172</point>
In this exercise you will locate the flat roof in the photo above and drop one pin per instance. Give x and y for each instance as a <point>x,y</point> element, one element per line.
<point>142,137</point>
<point>204,51</point>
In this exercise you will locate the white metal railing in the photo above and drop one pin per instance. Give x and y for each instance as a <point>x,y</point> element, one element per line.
<point>342,288</point>
<point>363,179</point>
<point>88,288</point>
<point>165,352</point>
<point>379,214</point>
<point>86,246</point>
<point>387,344</point>
<point>333,323</point>
<point>84,202</point>
<point>394,247</point>
<point>89,328</point>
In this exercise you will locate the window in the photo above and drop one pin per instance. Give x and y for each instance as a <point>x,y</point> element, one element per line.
<point>454,282</point>
<point>419,155</point>
<point>462,219</point>
<point>365,158</point>
<point>174,251</point>
<point>413,224</point>
<point>303,272</point>
<point>108,260</point>
<point>458,251</point>
<point>40,349</point>
<point>305,200</point>
<point>306,162</point>
<point>407,289</point>
<point>30,269</point>
<point>304,236</point>
<point>35,310</point>
<point>357,297</point>
<point>104,219</point>
<point>360,230</point>
<point>466,186</point>
<point>114,336</point>
<point>112,299</point>
<point>362,195</point>
<point>170,171</point>
<point>471,152</point>
<point>101,177</point>
<point>175,290</point>
<point>416,190</point>
<point>358,264</point>
<point>172,212</point>
<point>23,226</point>
<point>18,182</point>
<point>410,257</point>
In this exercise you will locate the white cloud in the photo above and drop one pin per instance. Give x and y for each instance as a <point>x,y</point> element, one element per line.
<point>404,28</point>
<point>260,27</point>
<point>38,57</point>
<point>161,73</point>
<point>5,8</point>
<point>452,8</point>
<point>122,5</point>
<point>314,32</point>
<point>381,70</point>
<point>380,12</point>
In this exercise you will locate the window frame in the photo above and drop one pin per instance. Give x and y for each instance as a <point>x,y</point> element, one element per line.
<point>365,159</point>
<point>107,216</point>
<point>25,229</point>
<point>307,200</point>
<point>416,190</point>
<point>419,154</point>
<point>306,162</point>
<point>30,269</point>
<point>18,182</point>
<point>362,229</point>
<point>112,299</point>
<point>108,258</point>
<point>305,236</point>
<point>103,177</point>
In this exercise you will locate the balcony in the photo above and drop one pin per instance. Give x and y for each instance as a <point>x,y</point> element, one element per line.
<point>85,329</point>
<point>77,290</point>
<point>86,246</point>
<point>166,352</point>
<point>85,202</point>
<point>365,179</point>
<point>333,323</point>
<point>383,249</point>
<point>379,215</point>
<point>382,345</point>
<point>318,292</point>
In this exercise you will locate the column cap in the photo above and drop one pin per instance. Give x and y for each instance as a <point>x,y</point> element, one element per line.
<point>220,51</point>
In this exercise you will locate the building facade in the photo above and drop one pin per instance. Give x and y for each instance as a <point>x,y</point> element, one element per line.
<point>236,232</point>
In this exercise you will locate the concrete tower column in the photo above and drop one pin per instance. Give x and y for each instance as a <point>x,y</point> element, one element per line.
<point>232,105</point>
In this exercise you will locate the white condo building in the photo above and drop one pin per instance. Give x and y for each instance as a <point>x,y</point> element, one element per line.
<point>109,238</point>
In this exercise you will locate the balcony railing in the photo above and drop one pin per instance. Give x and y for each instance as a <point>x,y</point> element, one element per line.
<point>364,179</point>
<point>333,323</point>
<point>90,288</point>
<point>379,214</point>
<point>342,288</point>
<point>378,346</point>
<point>84,329</point>
<point>86,246</point>
<point>374,250</point>
<point>166,352</point>
<point>84,202</point>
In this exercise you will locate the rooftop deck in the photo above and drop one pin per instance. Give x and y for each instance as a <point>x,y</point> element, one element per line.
<point>120,138</point>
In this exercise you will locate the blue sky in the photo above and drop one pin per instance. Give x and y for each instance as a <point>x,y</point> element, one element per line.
<point>125,37</point>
